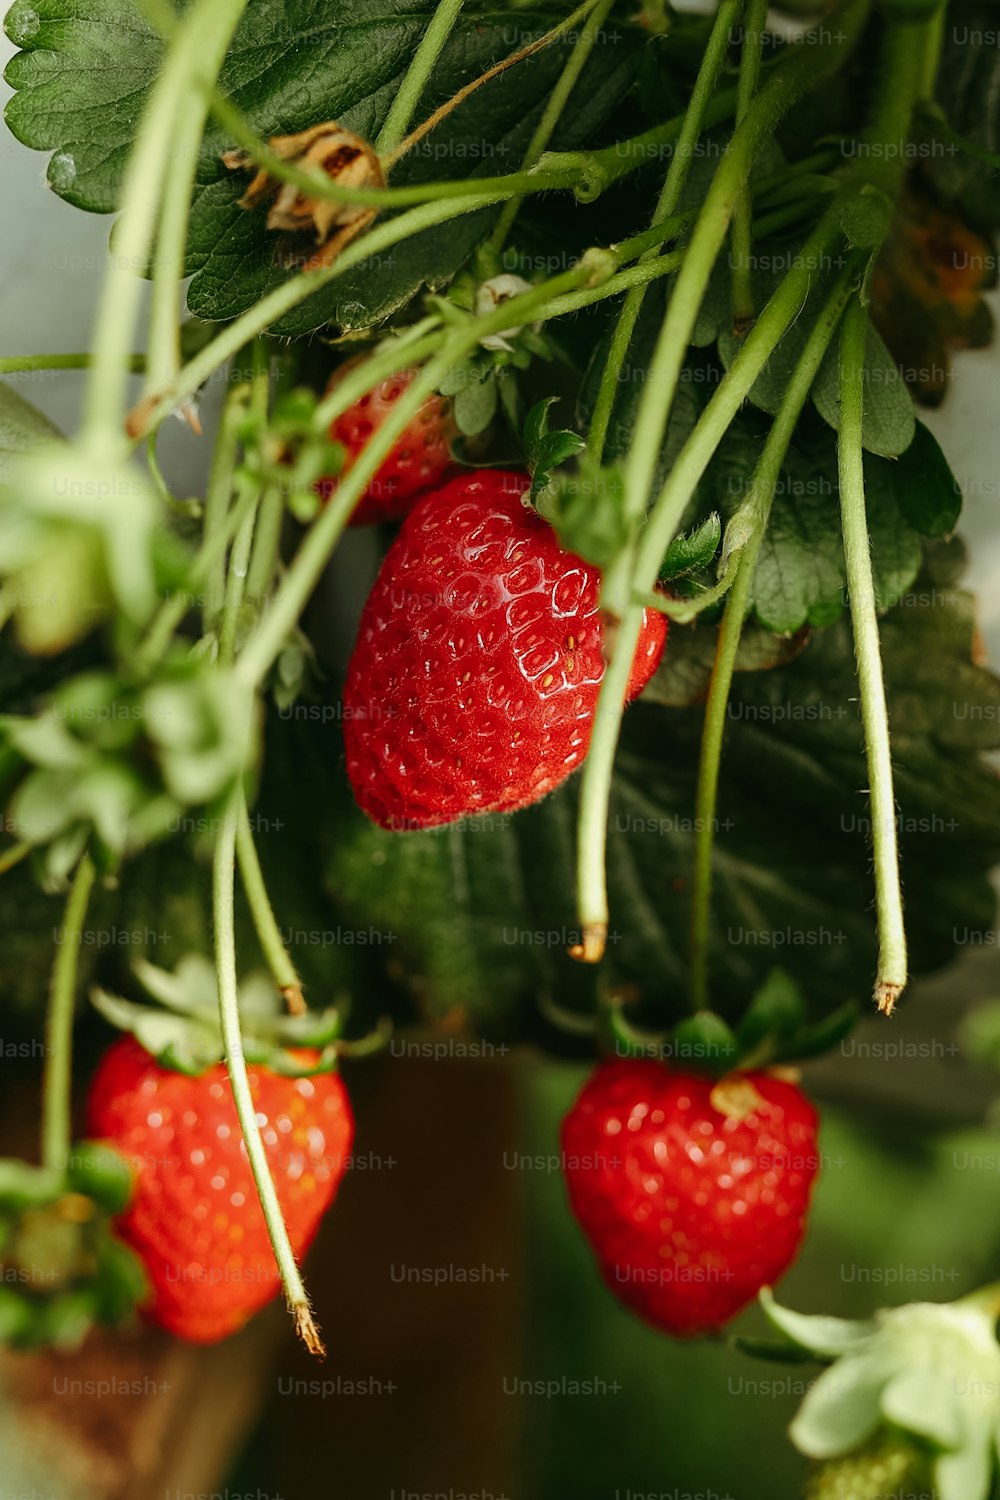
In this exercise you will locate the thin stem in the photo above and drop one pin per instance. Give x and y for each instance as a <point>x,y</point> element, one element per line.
<point>890,978</point>
<point>268,932</point>
<point>451,104</point>
<point>229,1012</point>
<point>303,574</point>
<point>58,1078</point>
<point>16,363</point>
<point>552,113</point>
<point>791,78</point>
<point>680,164</point>
<point>14,855</point>
<point>178,173</point>
<point>757,512</point>
<point>204,34</point>
<point>314,183</point>
<point>266,543</point>
<point>232,604</point>
<point>173,609</point>
<point>691,463</point>
<point>219,494</point>
<point>741,236</point>
<point>417,76</point>
<point>236,335</point>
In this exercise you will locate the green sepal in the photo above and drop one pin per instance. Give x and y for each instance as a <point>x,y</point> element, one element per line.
<point>705,1041</point>
<point>776,1011</point>
<point>24,1186</point>
<point>773,1351</point>
<point>101,1174</point>
<point>825,1337</point>
<point>185,1035</point>
<point>693,551</point>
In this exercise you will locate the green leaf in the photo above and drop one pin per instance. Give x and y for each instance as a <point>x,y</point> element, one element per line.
<point>474,406</point>
<point>291,65</point>
<point>888,423</point>
<point>966,89</point>
<point>22,428</point>
<point>926,491</point>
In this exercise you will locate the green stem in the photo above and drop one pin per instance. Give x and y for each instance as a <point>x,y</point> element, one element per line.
<point>890,978</point>
<point>304,572</point>
<point>172,611</point>
<point>14,855</point>
<point>523,53</point>
<point>690,465</point>
<point>552,113</point>
<point>219,495</point>
<point>266,543</point>
<point>741,236</point>
<point>16,363</point>
<point>204,34</point>
<point>757,511</point>
<point>417,76</point>
<point>804,68</point>
<point>316,184</point>
<point>229,1012</point>
<point>268,932</point>
<point>236,335</point>
<point>178,173</point>
<point>680,164</point>
<point>58,1079</point>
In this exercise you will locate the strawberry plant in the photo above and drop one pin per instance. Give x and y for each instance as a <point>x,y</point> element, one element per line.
<point>612,325</point>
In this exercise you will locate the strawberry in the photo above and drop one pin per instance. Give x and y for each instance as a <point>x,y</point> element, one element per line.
<point>692,1194</point>
<point>194,1217</point>
<point>474,679</point>
<point>420,457</point>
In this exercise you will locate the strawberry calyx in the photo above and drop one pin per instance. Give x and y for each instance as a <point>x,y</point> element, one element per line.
<point>774,1030</point>
<point>61,1269</point>
<point>183,1032</point>
<point>922,1379</point>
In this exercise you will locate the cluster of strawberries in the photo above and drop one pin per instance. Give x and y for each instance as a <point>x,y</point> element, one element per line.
<point>472,688</point>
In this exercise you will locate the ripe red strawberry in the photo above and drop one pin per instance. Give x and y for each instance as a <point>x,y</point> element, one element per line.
<point>420,457</point>
<point>474,679</point>
<point>689,1210</point>
<point>194,1216</point>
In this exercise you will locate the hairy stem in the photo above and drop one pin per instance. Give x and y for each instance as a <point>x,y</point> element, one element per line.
<point>178,168</point>
<point>741,237</point>
<point>690,465</point>
<point>229,1012</point>
<point>417,76</point>
<point>758,509</point>
<point>680,163</point>
<point>441,113</point>
<point>556,103</point>
<point>236,335</point>
<point>203,35</point>
<point>268,932</point>
<point>890,978</point>
<point>801,70</point>
<point>58,1077</point>
<point>16,363</point>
